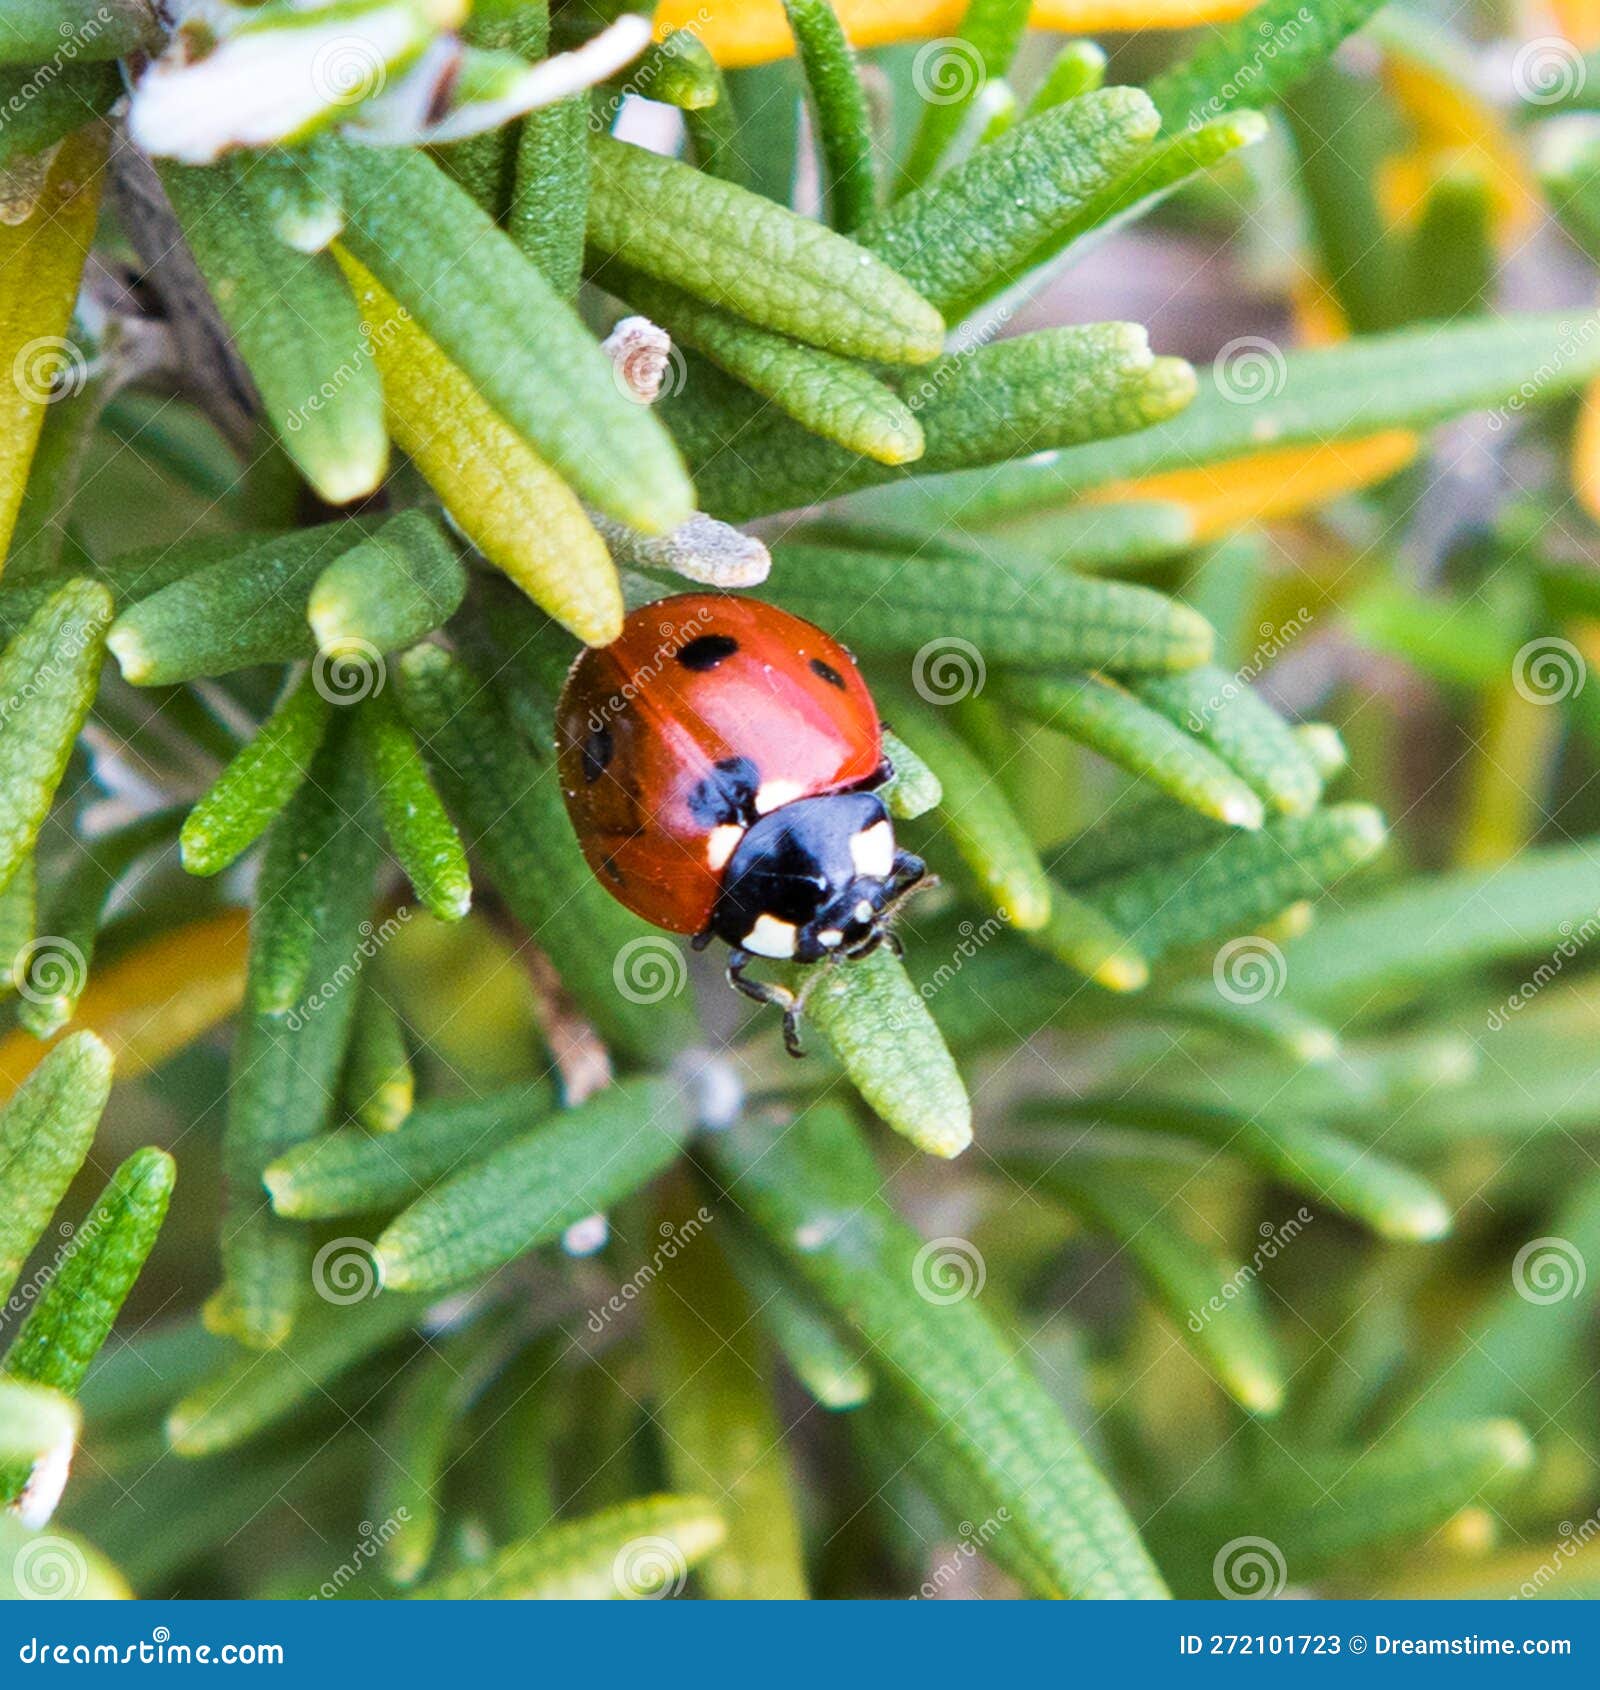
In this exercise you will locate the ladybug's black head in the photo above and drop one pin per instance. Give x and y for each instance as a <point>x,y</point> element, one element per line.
<point>814,879</point>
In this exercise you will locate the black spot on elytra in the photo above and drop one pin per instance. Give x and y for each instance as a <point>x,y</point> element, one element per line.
<point>828,673</point>
<point>707,651</point>
<point>727,794</point>
<point>610,870</point>
<point>597,751</point>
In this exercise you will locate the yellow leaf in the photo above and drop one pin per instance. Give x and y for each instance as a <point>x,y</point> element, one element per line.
<point>1579,21</point>
<point>750,32</point>
<point>1264,485</point>
<point>153,1002</point>
<point>1454,128</point>
<point>1586,452</point>
<point>513,507</point>
<point>41,260</point>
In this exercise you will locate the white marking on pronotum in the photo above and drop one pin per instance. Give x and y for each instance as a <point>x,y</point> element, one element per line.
<point>771,937</point>
<point>864,911</point>
<point>830,937</point>
<point>774,794</point>
<point>872,851</point>
<point>721,843</point>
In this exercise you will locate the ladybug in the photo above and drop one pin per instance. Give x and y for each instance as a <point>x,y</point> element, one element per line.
<point>721,762</point>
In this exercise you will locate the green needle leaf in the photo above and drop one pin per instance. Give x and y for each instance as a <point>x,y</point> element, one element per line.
<point>1396,944</point>
<point>1012,398</point>
<point>350,1172</point>
<point>1167,163</point>
<point>1248,878</point>
<point>838,109</point>
<point>74,1314</point>
<point>379,1086</point>
<point>828,395</point>
<point>98,29</point>
<point>1079,68</point>
<point>250,793</point>
<point>48,676</point>
<point>947,607</point>
<point>1230,1335</point>
<point>1247,734</point>
<point>714,1387</point>
<point>815,1193</point>
<point>532,1189</point>
<point>389,591</point>
<point>877,1024</point>
<point>953,73</point>
<point>1146,742</point>
<point>739,251</point>
<point>824,1360</point>
<point>980,822</point>
<point>297,327</point>
<point>1325,1166</point>
<point>1078,936</point>
<point>423,837</point>
<point>637,1549</point>
<point>1325,394</point>
<point>509,804</point>
<point>244,608</point>
<point>317,846</point>
<point>251,1392</point>
<point>306,951</point>
<point>914,788</point>
<point>45,1133</point>
<point>494,315</point>
<point>1232,69</point>
<point>976,230</point>
<point>44,110</point>
<point>55,972</point>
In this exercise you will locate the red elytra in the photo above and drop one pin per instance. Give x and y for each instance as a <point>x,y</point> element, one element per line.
<point>704,706</point>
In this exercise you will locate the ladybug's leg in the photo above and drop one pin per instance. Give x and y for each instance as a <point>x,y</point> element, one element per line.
<point>702,939</point>
<point>763,991</point>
